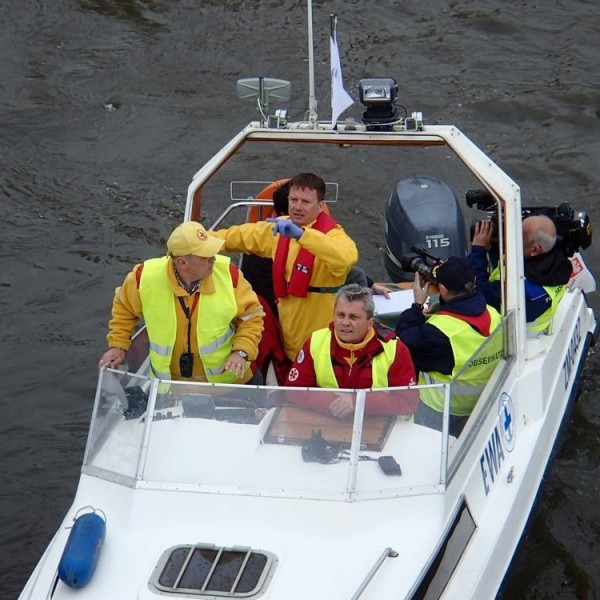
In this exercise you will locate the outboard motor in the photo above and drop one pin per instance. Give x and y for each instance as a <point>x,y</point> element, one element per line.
<point>422,211</point>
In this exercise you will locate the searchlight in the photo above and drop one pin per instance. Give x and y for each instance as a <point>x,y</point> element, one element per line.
<point>378,95</point>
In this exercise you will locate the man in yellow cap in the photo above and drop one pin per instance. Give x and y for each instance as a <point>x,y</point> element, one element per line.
<point>203,319</point>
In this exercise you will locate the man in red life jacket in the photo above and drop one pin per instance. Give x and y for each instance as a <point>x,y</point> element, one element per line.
<point>354,352</point>
<point>312,255</point>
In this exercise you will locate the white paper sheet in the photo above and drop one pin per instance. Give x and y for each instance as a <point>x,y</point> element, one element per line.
<point>397,302</point>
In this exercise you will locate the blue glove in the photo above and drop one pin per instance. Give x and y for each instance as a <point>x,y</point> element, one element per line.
<point>286,228</point>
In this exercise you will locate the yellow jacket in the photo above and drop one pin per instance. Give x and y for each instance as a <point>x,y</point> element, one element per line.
<point>335,253</point>
<point>127,310</point>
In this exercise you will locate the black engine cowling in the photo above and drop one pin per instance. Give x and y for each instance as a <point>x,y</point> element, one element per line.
<point>422,211</point>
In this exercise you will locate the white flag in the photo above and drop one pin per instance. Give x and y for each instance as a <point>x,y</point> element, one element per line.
<point>340,99</point>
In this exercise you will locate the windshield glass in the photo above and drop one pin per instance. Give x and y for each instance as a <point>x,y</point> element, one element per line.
<point>282,441</point>
<point>255,440</point>
<point>115,438</point>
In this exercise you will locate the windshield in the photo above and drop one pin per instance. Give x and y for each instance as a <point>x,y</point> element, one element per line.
<point>261,440</point>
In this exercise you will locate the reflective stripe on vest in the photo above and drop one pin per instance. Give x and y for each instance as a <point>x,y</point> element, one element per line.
<point>320,350</point>
<point>465,342</point>
<point>162,350</point>
<point>214,334</point>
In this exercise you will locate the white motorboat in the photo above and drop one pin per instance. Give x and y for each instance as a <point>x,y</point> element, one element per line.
<point>204,491</point>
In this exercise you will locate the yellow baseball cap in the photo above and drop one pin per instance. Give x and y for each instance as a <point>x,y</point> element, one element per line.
<point>191,238</point>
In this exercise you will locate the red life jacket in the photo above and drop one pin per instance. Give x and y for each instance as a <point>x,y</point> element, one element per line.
<point>270,348</point>
<point>302,270</point>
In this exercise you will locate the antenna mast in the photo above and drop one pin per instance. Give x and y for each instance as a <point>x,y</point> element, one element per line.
<point>312,101</point>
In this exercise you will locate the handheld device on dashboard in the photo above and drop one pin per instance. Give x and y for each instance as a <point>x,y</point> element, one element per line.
<point>389,465</point>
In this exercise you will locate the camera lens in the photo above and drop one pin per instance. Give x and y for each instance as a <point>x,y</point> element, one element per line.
<point>417,265</point>
<point>482,199</point>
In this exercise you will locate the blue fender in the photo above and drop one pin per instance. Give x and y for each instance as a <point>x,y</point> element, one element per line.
<point>82,550</point>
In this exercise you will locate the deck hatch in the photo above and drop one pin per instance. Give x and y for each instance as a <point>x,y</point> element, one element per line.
<point>208,571</point>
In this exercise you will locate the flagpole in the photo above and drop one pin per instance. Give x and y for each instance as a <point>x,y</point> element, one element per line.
<point>312,101</point>
<point>340,99</point>
<point>332,37</point>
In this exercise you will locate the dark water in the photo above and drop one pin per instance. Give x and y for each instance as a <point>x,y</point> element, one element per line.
<point>107,108</point>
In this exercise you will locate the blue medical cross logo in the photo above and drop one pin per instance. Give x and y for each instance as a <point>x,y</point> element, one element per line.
<point>506,421</point>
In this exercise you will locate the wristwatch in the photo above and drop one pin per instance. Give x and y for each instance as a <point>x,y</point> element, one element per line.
<point>417,305</point>
<point>243,354</point>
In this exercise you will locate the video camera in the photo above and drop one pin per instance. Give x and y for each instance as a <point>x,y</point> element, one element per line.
<point>574,230</point>
<point>422,262</point>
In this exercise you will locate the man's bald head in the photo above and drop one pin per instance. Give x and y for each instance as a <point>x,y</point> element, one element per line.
<point>539,235</point>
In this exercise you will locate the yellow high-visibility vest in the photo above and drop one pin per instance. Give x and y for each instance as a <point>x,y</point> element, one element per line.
<point>320,345</point>
<point>214,329</point>
<point>465,341</point>
<point>556,292</point>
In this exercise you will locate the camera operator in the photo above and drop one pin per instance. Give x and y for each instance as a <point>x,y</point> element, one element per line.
<point>547,269</point>
<point>445,342</point>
